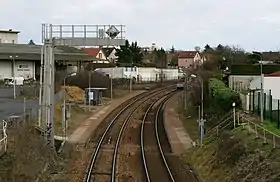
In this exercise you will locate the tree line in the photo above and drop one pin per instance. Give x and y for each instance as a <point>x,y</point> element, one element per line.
<point>131,54</point>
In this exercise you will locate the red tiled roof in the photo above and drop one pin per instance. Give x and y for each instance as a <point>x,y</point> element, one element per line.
<point>91,51</point>
<point>272,75</point>
<point>187,54</point>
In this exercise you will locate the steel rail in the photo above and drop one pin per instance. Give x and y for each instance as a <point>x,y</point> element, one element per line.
<point>114,162</point>
<point>158,139</point>
<point>96,152</point>
<point>142,139</point>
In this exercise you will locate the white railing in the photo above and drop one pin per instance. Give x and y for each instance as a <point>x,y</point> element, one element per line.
<point>224,123</point>
<point>260,132</point>
<point>252,127</point>
<point>4,139</point>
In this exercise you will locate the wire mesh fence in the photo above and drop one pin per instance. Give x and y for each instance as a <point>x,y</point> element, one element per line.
<point>270,106</point>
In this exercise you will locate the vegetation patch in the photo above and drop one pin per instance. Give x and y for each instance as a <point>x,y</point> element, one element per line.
<point>222,95</point>
<point>235,156</point>
<point>27,157</point>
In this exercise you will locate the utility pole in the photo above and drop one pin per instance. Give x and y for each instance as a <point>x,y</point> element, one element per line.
<point>89,89</point>
<point>24,109</point>
<point>262,77</point>
<point>111,82</point>
<point>202,99</point>
<point>14,74</point>
<point>185,92</point>
<point>48,90</point>
<point>41,87</point>
<point>262,91</point>
<point>130,82</point>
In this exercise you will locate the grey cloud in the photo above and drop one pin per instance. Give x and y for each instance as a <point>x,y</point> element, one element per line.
<point>252,24</point>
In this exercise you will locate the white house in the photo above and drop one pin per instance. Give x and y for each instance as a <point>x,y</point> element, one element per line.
<point>96,52</point>
<point>241,82</point>
<point>270,82</point>
<point>9,36</point>
<point>110,54</point>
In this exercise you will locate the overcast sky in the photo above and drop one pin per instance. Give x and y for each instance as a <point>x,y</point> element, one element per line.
<point>251,24</point>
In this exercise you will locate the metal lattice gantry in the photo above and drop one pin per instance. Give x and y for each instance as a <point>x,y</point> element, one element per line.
<point>84,35</point>
<point>69,35</point>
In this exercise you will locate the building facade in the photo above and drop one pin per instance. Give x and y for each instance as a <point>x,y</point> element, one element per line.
<point>9,36</point>
<point>189,59</point>
<point>25,69</point>
<point>97,52</point>
<point>142,73</point>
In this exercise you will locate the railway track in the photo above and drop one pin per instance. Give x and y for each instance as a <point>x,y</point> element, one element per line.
<point>153,148</point>
<point>103,163</point>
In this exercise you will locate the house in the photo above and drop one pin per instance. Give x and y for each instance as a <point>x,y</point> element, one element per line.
<point>96,52</point>
<point>269,87</point>
<point>110,54</point>
<point>270,57</point>
<point>9,36</point>
<point>269,81</point>
<point>189,59</point>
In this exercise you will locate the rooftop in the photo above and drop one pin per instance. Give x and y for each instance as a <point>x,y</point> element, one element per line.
<point>33,52</point>
<point>9,31</point>
<point>187,54</point>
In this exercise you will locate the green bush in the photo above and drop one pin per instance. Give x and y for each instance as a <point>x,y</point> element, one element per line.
<point>222,95</point>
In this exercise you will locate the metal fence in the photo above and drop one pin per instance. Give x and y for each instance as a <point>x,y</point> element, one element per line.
<point>12,121</point>
<point>3,138</point>
<point>271,107</point>
<point>260,132</point>
<point>242,120</point>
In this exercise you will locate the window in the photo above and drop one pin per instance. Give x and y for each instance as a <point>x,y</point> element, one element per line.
<point>134,68</point>
<point>131,69</point>
<point>125,68</point>
<point>100,55</point>
<point>13,41</point>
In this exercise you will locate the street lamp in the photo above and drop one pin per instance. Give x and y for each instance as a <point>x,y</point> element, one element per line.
<point>64,105</point>
<point>14,76</point>
<point>262,91</point>
<point>201,120</point>
<point>233,106</point>
<point>202,98</point>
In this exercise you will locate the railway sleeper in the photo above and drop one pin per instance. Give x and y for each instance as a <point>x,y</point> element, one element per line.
<point>107,148</point>
<point>138,121</point>
<point>102,173</point>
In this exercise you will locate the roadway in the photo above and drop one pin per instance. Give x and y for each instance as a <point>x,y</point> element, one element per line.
<point>10,106</point>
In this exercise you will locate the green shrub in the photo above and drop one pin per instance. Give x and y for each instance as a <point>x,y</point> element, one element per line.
<point>222,95</point>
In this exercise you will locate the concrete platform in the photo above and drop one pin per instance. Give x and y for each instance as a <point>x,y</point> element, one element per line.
<point>176,133</point>
<point>88,126</point>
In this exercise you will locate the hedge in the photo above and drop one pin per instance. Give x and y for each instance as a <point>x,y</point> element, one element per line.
<point>254,69</point>
<point>222,95</point>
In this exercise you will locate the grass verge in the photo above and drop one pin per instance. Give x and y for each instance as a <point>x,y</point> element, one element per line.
<point>235,156</point>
